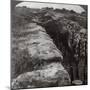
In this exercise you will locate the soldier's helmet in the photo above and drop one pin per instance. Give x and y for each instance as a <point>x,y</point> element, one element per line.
<point>83,31</point>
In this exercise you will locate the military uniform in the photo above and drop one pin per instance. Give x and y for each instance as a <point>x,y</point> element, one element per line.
<point>82,58</point>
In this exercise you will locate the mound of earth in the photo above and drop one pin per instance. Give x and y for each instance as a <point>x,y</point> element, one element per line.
<point>38,58</point>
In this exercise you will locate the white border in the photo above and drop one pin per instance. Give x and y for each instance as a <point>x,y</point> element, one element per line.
<point>5,43</point>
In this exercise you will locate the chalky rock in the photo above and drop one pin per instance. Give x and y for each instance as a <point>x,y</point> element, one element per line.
<point>40,49</point>
<point>50,75</point>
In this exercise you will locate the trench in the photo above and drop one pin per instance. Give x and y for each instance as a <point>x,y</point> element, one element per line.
<point>61,41</point>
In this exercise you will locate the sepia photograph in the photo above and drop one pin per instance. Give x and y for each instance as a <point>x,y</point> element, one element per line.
<point>48,44</point>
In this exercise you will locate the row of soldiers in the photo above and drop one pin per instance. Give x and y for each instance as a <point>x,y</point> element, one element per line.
<point>80,56</point>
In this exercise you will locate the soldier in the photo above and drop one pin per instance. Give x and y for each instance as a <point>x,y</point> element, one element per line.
<point>74,62</point>
<point>82,56</point>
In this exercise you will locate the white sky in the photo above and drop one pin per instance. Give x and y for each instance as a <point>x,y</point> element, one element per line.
<point>76,8</point>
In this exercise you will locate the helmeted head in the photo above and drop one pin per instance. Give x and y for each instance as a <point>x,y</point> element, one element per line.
<point>83,32</point>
